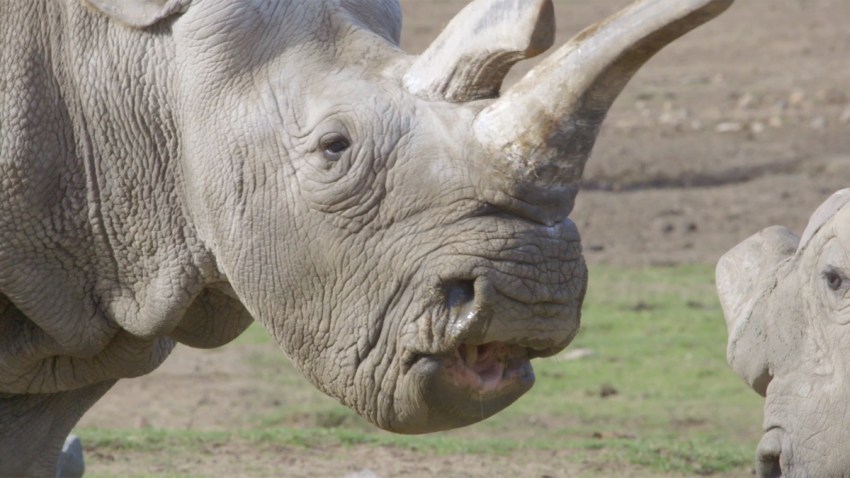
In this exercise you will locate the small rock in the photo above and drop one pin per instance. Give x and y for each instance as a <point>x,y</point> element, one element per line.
<point>628,124</point>
<point>729,127</point>
<point>845,116</point>
<point>676,118</point>
<point>362,474</point>
<point>668,118</point>
<point>695,80</point>
<point>718,79</point>
<point>694,304</point>
<point>757,127</point>
<point>643,108</point>
<point>831,96</point>
<point>575,354</point>
<point>775,121</point>
<point>796,97</point>
<point>143,422</point>
<point>607,390</point>
<point>642,307</point>
<point>818,123</point>
<point>779,107</point>
<point>838,167</point>
<point>747,101</point>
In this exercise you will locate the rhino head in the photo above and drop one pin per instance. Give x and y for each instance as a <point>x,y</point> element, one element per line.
<point>787,306</point>
<point>396,222</point>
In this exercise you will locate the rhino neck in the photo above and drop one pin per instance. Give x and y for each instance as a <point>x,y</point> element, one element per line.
<point>116,253</point>
<point>120,101</point>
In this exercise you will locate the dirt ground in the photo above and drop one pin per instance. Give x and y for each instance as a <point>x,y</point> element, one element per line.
<point>740,125</point>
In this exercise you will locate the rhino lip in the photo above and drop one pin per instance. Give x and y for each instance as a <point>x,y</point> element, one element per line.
<point>485,369</point>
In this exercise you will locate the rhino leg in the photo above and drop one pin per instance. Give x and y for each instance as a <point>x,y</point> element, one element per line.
<point>33,431</point>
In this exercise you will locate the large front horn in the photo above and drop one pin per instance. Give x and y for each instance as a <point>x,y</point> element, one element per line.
<point>545,126</point>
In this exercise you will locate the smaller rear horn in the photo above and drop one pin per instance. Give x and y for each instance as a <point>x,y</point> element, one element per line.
<point>471,57</point>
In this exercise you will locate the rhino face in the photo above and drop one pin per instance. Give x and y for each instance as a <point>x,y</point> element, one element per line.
<point>787,305</point>
<point>395,222</point>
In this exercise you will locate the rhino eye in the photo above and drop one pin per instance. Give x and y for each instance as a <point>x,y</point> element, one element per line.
<point>834,280</point>
<point>333,145</point>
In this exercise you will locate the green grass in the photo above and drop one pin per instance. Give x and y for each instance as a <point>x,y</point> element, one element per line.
<point>671,405</point>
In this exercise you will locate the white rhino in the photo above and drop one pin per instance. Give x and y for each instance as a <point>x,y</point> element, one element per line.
<point>787,306</point>
<point>171,170</point>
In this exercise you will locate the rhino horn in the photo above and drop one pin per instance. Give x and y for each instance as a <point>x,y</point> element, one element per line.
<point>471,57</point>
<point>544,127</point>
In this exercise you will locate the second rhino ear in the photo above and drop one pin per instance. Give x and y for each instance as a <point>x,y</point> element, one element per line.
<point>824,213</point>
<point>139,13</point>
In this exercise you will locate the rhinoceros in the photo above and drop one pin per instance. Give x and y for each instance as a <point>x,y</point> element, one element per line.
<point>787,305</point>
<point>171,170</point>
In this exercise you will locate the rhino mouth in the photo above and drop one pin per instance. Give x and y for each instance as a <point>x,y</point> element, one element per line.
<point>489,368</point>
<point>469,383</point>
<point>485,310</point>
<point>484,367</point>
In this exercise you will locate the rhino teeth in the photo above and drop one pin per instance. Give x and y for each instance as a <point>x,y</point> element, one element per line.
<point>483,355</point>
<point>469,353</point>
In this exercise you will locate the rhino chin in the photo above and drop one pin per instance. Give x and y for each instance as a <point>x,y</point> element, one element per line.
<point>465,386</point>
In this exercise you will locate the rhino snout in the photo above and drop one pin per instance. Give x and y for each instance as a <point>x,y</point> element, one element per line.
<point>543,321</point>
<point>489,319</point>
<point>745,277</point>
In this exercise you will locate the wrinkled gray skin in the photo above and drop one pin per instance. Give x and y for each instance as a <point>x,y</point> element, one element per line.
<point>171,171</point>
<point>787,305</point>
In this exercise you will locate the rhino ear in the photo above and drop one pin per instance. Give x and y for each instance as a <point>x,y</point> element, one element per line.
<point>745,278</point>
<point>383,17</point>
<point>824,213</point>
<point>139,13</point>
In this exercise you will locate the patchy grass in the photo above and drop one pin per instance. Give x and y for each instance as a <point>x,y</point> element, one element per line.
<point>654,394</point>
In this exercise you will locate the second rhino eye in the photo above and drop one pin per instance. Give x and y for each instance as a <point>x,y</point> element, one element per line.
<point>333,145</point>
<point>834,280</point>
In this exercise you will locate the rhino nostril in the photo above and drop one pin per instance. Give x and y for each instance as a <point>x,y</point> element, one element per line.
<point>459,293</point>
<point>769,454</point>
<point>768,465</point>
